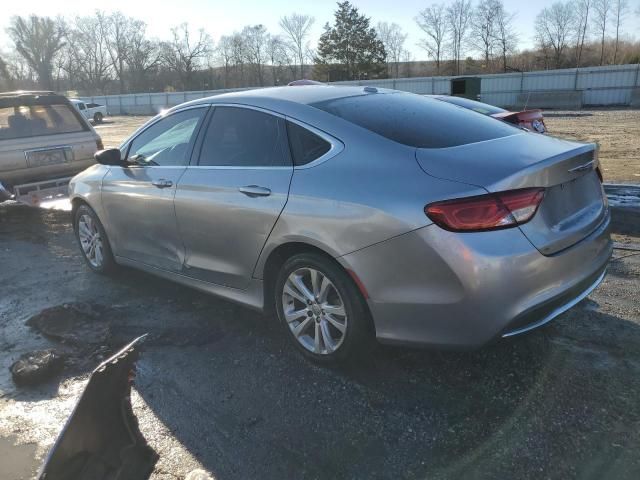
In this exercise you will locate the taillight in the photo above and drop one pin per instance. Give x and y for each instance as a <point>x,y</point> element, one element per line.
<point>486,212</point>
<point>99,144</point>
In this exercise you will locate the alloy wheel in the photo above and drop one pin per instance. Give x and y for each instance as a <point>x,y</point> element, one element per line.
<point>90,240</point>
<point>314,311</point>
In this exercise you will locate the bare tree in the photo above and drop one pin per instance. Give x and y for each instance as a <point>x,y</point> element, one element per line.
<point>458,18</point>
<point>553,28</point>
<point>278,57</point>
<point>602,11</point>
<point>38,40</point>
<point>182,54</point>
<point>506,37</point>
<point>121,34</point>
<point>256,43</point>
<point>224,52</point>
<point>582,9</point>
<point>432,21</point>
<point>297,28</point>
<point>620,10</point>
<point>393,38</point>
<point>143,59</point>
<point>89,63</point>
<point>484,28</point>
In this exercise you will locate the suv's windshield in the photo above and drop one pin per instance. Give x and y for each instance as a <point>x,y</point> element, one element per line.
<point>35,120</point>
<point>415,120</point>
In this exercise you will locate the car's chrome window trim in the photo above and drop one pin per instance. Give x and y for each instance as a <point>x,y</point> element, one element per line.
<point>336,145</point>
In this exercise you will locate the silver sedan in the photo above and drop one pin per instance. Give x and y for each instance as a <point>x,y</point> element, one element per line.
<point>353,214</point>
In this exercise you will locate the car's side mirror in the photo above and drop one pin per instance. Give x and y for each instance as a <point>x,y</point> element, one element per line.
<point>110,156</point>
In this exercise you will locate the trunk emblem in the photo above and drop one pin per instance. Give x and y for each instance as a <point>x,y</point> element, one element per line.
<point>582,168</point>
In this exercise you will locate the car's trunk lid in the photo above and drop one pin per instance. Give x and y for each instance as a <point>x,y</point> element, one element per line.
<point>573,205</point>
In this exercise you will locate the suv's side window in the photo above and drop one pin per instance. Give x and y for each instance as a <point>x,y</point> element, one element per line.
<point>243,137</point>
<point>305,145</point>
<point>167,142</point>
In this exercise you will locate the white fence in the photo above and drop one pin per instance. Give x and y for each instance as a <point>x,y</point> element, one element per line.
<point>617,85</point>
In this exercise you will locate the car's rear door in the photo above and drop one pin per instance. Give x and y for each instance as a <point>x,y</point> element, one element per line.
<point>138,199</point>
<point>228,202</point>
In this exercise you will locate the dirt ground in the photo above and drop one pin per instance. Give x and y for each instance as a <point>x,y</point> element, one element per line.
<point>616,131</point>
<point>219,388</point>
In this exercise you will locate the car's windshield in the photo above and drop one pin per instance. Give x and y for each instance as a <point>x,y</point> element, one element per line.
<point>35,120</point>
<point>415,120</point>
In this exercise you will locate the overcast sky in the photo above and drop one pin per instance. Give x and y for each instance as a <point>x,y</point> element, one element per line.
<point>223,17</point>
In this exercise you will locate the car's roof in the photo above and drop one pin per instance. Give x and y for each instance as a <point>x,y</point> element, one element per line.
<point>23,97</point>
<point>302,94</point>
<point>19,93</point>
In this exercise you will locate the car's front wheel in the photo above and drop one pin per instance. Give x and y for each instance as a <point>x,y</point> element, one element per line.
<point>92,240</point>
<point>321,309</point>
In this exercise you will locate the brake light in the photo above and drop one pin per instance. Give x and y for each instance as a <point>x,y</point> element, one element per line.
<point>99,144</point>
<point>486,212</point>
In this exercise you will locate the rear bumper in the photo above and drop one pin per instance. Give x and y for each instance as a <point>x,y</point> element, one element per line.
<point>438,288</point>
<point>41,174</point>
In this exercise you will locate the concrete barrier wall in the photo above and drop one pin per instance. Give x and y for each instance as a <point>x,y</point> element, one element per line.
<point>574,88</point>
<point>564,100</point>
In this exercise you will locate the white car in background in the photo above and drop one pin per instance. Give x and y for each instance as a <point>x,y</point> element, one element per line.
<point>90,111</point>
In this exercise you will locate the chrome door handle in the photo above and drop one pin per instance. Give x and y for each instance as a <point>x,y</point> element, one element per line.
<point>162,183</point>
<point>255,191</point>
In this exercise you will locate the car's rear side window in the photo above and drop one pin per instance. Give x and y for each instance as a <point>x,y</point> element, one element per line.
<point>305,145</point>
<point>35,120</point>
<point>416,121</point>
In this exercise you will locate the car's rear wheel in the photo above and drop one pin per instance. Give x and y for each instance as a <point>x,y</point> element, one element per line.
<point>321,309</point>
<point>97,117</point>
<point>92,240</point>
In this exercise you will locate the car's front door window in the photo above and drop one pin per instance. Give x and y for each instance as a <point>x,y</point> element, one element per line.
<point>167,142</point>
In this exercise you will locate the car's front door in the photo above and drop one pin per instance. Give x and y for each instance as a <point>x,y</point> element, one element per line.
<point>138,199</point>
<point>228,203</point>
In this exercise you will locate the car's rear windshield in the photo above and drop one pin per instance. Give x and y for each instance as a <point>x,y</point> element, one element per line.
<point>416,121</point>
<point>479,107</point>
<point>34,120</point>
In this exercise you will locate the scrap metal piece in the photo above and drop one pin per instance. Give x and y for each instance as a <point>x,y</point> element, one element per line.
<point>101,439</point>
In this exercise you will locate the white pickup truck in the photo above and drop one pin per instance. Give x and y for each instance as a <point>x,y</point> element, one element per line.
<point>90,111</point>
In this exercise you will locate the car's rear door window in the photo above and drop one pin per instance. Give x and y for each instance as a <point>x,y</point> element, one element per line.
<point>305,145</point>
<point>36,120</point>
<point>416,121</point>
<point>244,137</point>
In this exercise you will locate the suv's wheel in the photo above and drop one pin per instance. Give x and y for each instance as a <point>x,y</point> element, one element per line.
<point>321,309</point>
<point>97,117</point>
<point>93,241</point>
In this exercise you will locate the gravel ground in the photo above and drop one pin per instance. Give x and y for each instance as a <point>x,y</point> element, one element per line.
<point>219,388</point>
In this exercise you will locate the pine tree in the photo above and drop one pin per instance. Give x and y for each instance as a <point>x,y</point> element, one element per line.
<point>350,49</point>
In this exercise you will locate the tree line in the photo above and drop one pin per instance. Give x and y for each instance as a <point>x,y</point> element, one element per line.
<point>112,53</point>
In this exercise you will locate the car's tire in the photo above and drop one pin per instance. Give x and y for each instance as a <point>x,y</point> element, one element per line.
<point>97,117</point>
<point>344,334</point>
<point>92,240</point>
